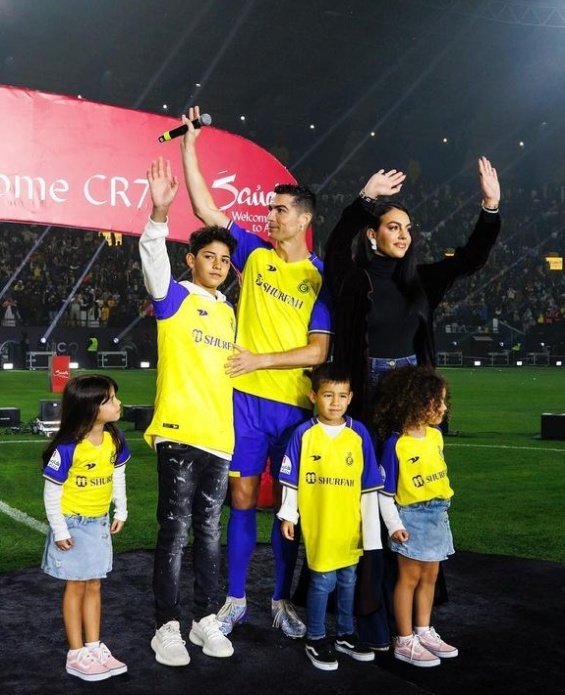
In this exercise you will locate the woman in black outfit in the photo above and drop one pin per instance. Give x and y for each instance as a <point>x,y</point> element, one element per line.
<point>384,306</point>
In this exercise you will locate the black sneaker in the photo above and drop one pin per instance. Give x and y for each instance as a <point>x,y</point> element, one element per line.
<point>350,644</point>
<point>321,654</point>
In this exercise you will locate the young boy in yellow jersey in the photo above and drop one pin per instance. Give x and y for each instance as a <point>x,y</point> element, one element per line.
<point>330,479</point>
<point>284,325</point>
<point>192,425</point>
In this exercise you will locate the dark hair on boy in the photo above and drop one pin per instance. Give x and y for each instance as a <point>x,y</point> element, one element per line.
<point>304,198</point>
<point>328,373</point>
<point>404,396</point>
<point>207,235</point>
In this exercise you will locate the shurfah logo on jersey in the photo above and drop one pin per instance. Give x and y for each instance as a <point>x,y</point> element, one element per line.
<point>211,340</point>
<point>418,481</point>
<point>310,477</point>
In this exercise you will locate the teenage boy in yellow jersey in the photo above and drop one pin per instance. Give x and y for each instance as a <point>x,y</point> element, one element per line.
<point>283,326</point>
<point>192,426</point>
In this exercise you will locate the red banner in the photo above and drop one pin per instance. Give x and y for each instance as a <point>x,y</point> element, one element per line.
<point>75,163</point>
<point>59,372</point>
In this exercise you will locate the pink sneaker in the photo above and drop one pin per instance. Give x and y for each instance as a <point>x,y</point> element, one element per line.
<point>104,656</point>
<point>412,652</point>
<point>85,666</point>
<point>434,644</point>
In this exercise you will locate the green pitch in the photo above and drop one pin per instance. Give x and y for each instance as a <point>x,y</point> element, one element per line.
<point>509,486</point>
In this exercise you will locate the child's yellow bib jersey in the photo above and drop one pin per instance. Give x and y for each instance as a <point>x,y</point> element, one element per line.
<point>414,468</point>
<point>86,473</point>
<point>193,403</point>
<point>331,474</point>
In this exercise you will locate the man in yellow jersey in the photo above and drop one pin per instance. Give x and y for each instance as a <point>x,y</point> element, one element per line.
<point>284,325</point>
<point>192,426</point>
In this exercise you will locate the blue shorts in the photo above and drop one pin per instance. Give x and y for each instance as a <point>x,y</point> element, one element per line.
<point>91,555</point>
<point>262,430</point>
<point>430,535</point>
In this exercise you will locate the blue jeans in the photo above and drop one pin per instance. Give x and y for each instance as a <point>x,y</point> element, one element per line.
<point>381,365</point>
<point>321,585</point>
<point>192,488</point>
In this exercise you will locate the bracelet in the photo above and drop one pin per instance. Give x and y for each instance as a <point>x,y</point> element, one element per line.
<point>366,198</point>
<point>492,210</point>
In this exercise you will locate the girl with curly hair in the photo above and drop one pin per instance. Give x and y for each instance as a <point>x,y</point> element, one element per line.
<point>410,405</point>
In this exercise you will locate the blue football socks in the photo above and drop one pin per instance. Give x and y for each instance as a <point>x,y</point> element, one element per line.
<point>285,553</point>
<point>242,538</point>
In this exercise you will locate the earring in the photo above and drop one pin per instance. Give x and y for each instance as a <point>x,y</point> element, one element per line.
<point>373,243</point>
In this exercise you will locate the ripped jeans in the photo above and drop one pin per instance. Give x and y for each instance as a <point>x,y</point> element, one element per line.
<point>192,488</point>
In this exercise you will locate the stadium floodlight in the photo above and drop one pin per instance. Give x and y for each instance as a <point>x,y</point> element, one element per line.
<point>115,340</point>
<point>8,365</point>
<point>144,365</point>
<point>558,363</point>
<point>477,363</point>
<point>74,365</point>
<point>519,363</point>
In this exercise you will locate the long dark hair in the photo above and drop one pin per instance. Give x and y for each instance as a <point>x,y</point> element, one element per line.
<point>406,273</point>
<point>82,398</point>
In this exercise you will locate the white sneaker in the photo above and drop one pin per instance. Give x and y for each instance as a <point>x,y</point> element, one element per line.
<point>206,633</point>
<point>168,645</point>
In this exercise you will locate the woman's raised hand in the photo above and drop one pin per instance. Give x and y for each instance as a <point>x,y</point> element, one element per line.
<point>384,183</point>
<point>490,187</point>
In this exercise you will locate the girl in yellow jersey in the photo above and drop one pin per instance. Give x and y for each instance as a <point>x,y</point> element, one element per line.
<point>410,405</point>
<point>84,470</point>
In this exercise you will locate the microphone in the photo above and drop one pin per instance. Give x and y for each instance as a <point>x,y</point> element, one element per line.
<point>204,119</point>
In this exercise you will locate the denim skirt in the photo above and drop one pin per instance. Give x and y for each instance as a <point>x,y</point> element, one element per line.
<point>91,554</point>
<point>430,535</point>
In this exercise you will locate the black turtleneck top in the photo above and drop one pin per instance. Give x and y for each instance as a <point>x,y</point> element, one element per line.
<point>392,321</point>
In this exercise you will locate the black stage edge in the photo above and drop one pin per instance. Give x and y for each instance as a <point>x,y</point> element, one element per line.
<point>505,614</point>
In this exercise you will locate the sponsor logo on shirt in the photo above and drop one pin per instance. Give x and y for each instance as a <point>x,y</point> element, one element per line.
<point>82,481</point>
<point>212,340</point>
<point>286,466</point>
<point>413,459</point>
<point>278,294</point>
<point>315,457</point>
<point>271,268</point>
<point>89,466</point>
<point>202,312</point>
<point>312,478</point>
<point>418,481</point>
<point>436,476</point>
<point>55,461</point>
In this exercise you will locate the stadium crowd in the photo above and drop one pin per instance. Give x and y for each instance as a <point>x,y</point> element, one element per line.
<point>517,287</point>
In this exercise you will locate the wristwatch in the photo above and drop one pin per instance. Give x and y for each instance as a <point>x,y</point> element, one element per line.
<point>366,198</point>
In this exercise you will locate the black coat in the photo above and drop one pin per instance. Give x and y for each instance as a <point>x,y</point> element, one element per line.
<point>352,293</point>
